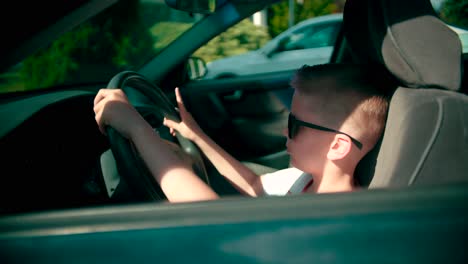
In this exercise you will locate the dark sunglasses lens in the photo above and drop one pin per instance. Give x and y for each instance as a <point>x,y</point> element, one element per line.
<point>291,127</point>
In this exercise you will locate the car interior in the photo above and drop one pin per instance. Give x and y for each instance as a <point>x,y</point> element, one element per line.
<point>66,163</point>
<point>424,142</point>
<point>412,210</point>
<point>424,136</point>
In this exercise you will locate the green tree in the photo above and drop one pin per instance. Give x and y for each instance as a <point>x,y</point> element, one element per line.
<point>71,51</point>
<point>278,18</point>
<point>455,12</point>
<point>243,37</point>
<point>315,8</point>
<point>54,64</point>
<point>165,32</point>
<point>278,14</point>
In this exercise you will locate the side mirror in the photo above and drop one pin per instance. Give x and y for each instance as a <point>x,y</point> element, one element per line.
<point>196,67</point>
<point>194,6</point>
<point>278,47</point>
<point>282,44</point>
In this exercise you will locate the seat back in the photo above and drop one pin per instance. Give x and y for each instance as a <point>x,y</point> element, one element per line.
<point>425,141</point>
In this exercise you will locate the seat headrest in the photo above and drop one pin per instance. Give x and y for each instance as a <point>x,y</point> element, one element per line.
<point>408,38</point>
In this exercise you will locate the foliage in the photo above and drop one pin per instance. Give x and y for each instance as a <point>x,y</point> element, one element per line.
<point>278,14</point>
<point>278,18</point>
<point>71,51</point>
<point>455,12</point>
<point>52,66</point>
<point>315,8</point>
<point>243,37</point>
<point>165,32</point>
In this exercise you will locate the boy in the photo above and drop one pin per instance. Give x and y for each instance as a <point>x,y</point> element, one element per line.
<point>337,116</point>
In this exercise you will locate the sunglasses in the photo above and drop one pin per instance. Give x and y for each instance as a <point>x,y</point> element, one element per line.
<point>294,124</point>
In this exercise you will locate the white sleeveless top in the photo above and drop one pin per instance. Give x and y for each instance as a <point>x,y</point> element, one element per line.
<point>286,181</point>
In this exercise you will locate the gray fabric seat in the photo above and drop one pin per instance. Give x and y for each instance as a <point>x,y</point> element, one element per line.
<point>426,137</point>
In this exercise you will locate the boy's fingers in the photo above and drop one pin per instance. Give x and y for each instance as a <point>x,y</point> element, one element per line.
<point>179,100</point>
<point>170,124</point>
<point>100,95</point>
<point>100,123</point>
<point>99,106</point>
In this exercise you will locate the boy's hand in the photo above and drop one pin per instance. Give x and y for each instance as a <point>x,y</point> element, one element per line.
<point>187,127</point>
<point>112,108</point>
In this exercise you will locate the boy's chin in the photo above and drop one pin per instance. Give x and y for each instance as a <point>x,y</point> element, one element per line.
<point>293,163</point>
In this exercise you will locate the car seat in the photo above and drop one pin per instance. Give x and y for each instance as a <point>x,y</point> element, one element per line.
<point>425,141</point>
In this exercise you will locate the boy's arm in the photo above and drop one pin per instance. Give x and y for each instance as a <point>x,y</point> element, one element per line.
<point>172,172</point>
<point>243,178</point>
<point>240,176</point>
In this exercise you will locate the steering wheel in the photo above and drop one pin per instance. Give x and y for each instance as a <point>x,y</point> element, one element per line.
<point>131,167</point>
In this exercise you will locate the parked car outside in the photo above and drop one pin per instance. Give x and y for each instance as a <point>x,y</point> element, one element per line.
<point>311,40</point>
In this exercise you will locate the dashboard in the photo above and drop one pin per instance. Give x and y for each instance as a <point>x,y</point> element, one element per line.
<point>50,148</point>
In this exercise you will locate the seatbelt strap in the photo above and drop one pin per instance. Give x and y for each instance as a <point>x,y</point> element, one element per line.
<point>301,184</point>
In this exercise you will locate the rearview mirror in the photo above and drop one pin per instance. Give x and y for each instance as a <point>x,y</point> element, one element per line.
<point>193,6</point>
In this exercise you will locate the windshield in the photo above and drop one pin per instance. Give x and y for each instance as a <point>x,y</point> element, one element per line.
<point>123,37</point>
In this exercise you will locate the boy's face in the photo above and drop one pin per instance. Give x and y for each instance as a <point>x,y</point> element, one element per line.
<point>309,147</point>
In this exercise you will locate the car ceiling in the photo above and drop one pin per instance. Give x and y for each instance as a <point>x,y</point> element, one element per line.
<point>24,30</point>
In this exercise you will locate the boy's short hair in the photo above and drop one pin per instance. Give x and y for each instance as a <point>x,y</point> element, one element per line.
<point>353,97</point>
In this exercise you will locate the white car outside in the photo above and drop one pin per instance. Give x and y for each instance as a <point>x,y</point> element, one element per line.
<point>463,35</point>
<point>309,41</point>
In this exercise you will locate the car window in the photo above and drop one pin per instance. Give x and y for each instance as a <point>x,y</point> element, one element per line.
<point>455,14</point>
<point>123,37</point>
<point>264,42</point>
<point>464,41</point>
<point>312,37</point>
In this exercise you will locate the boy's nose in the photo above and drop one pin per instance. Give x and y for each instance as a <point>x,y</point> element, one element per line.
<point>285,132</point>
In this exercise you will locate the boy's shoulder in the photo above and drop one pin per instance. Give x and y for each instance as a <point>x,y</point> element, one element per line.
<point>281,181</point>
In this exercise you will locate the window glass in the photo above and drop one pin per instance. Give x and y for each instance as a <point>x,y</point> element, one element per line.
<point>453,12</point>
<point>313,37</point>
<point>464,41</point>
<point>272,41</point>
<point>123,37</point>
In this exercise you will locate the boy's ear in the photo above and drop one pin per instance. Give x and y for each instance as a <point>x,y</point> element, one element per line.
<point>340,147</point>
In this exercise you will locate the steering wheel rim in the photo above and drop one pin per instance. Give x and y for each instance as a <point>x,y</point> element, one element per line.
<point>130,166</point>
